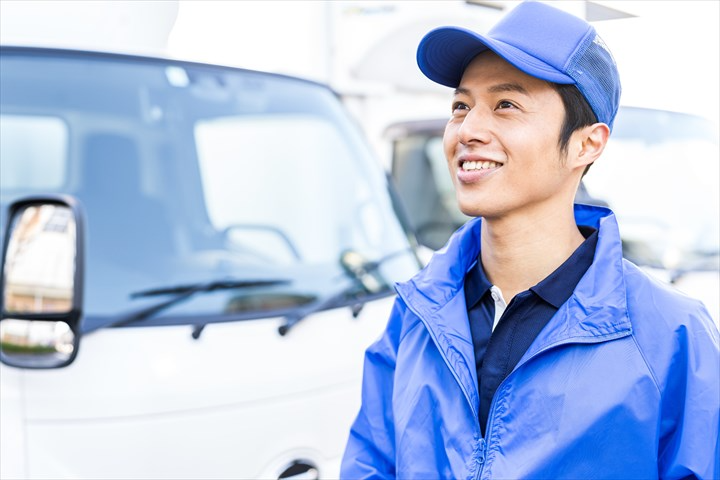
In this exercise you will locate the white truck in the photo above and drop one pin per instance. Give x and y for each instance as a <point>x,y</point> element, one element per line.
<point>195,258</point>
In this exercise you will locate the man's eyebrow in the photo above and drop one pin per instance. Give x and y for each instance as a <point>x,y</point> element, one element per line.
<point>508,87</point>
<point>499,88</point>
<point>462,91</point>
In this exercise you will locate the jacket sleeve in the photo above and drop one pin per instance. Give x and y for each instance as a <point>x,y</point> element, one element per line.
<point>689,446</point>
<point>370,451</point>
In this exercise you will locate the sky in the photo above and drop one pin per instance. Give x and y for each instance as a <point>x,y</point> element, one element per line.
<point>669,56</point>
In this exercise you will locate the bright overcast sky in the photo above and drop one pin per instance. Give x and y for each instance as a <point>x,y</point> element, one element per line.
<point>668,57</point>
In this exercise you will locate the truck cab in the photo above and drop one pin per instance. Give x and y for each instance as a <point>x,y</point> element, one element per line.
<point>195,258</point>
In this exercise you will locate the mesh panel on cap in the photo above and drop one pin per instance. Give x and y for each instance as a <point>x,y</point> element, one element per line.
<point>595,73</point>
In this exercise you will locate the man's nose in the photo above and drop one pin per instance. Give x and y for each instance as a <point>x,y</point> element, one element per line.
<point>475,127</point>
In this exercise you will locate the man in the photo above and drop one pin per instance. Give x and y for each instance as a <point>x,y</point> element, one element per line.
<point>528,347</point>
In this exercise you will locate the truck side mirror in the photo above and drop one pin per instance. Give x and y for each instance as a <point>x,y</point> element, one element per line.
<point>41,283</point>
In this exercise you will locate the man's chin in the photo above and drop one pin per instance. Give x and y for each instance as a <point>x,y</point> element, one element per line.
<point>472,210</point>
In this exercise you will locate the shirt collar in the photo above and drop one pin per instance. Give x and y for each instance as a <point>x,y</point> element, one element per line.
<point>557,287</point>
<point>476,285</point>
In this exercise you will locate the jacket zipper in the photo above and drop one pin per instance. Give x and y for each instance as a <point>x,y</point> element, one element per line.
<point>481,458</point>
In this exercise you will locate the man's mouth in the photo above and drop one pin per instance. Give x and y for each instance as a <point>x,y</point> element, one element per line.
<point>484,165</point>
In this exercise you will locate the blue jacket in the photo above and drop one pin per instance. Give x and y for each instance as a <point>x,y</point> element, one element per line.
<point>622,383</point>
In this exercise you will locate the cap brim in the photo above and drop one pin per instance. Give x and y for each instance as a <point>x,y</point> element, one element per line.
<point>444,53</point>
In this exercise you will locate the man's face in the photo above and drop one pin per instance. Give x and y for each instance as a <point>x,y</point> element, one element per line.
<point>501,142</point>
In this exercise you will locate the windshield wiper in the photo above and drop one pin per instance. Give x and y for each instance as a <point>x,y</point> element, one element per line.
<point>180,292</point>
<point>227,284</point>
<point>363,275</point>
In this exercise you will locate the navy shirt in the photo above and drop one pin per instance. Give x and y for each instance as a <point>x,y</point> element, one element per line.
<point>497,353</point>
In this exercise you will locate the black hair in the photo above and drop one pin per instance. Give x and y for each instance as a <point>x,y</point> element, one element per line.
<point>578,114</point>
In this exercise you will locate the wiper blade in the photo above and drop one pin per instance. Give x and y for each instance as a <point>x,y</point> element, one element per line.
<point>207,287</point>
<point>330,301</point>
<point>180,292</point>
<point>363,274</point>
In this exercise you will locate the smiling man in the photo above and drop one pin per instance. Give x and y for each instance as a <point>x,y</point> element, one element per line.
<point>528,347</point>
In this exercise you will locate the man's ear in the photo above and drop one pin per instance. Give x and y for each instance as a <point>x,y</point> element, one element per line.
<point>590,144</point>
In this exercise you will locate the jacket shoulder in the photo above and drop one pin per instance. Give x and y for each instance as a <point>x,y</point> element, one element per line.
<point>401,320</point>
<point>668,325</point>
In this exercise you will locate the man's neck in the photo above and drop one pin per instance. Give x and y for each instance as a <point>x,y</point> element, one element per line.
<point>517,254</point>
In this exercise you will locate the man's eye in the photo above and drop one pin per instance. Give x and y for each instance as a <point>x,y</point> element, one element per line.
<point>459,106</point>
<point>505,104</point>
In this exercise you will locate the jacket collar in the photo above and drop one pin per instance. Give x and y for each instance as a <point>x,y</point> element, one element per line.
<point>597,307</point>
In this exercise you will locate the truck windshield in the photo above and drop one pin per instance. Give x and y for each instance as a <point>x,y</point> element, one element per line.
<point>190,174</point>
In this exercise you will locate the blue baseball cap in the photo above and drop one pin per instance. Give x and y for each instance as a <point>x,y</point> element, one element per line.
<point>540,40</point>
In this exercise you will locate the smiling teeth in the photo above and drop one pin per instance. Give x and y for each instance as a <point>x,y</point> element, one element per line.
<point>480,165</point>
